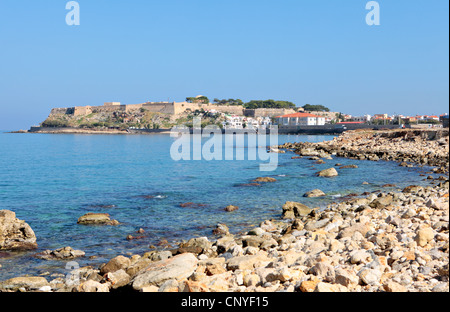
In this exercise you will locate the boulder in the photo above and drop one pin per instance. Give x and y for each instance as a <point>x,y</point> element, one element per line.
<point>412,189</point>
<point>330,172</point>
<point>178,268</point>
<point>424,235</point>
<point>96,218</point>
<point>327,288</point>
<point>221,229</point>
<point>117,279</point>
<point>244,262</point>
<point>292,210</point>
<point>381,202</point>
<point>15,234</point>
<point>91,286</point>
<point>27,283</point>
<point>370,276</point>
<point>314,193</point>
<point>115,264</point>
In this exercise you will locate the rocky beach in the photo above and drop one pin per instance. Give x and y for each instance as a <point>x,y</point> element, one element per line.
<point>391,240</point>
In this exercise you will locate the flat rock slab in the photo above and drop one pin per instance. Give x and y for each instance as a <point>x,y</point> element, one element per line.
<point>178,267</point>
<point>29,283</point>
<point>314,193</point>
<point>96,218</point>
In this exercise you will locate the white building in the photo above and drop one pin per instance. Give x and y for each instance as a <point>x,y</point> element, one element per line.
<point>365,118</point>
<point>300,119</point>
<point>240,122</point>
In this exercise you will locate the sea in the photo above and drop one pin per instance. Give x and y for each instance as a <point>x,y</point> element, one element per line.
<point>50,180</point>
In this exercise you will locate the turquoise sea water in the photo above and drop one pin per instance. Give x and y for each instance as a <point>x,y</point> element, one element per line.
<point>51,180</point>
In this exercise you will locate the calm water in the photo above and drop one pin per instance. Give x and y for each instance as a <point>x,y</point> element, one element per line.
<point>52,180</point>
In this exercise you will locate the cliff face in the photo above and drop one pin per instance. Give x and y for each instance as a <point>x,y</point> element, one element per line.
<point>115,117</point>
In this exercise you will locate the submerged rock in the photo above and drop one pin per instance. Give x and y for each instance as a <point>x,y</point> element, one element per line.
<point>97,218</point>
<point>64,253</point>
<point>314,193</point>
<point>330,172</point>
<point>230,208</point>
<point>264,179</point>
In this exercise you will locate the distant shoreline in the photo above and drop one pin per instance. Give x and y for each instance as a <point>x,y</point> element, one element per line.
<point>306,130</point>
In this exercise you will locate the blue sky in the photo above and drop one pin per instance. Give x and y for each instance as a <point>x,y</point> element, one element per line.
<point>304,51</point>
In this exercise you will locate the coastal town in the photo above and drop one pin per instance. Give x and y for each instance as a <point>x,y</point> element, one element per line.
<point>226,114</point>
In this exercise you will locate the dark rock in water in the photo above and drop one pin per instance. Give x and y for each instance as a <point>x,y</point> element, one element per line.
<point>4,254</point>
<point>412,189</point>
<point>191,205</point>
<point>65,253</point>
<point>15,234</point>
<point>221,229</point>
<point>264,179</point>
<point>389,185</point>
<point>314,193</point>
<point>248,184</point>
<point>348,166</point>
<point>230,208</point>
<point>131,237</point>
<point>102,206</point>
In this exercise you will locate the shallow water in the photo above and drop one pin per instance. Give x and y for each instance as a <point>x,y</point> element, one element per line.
<point>51,180</point>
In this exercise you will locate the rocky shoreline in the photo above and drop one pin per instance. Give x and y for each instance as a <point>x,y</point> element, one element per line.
<point>393,241</point>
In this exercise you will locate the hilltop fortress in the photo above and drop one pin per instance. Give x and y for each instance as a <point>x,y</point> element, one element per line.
<point>170,108</point>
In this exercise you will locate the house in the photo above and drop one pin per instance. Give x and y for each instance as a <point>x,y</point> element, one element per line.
<point>233,122</point>
<point>444,120</point>
<point>300,119</point>
<point>363,119</point>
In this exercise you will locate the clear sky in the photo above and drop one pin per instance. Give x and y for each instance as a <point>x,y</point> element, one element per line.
<point>304,51</point>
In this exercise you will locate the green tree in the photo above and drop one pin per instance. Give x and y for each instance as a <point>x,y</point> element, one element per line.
<point>315,108</point>
<point>269,104</point>
<point>200,99</point>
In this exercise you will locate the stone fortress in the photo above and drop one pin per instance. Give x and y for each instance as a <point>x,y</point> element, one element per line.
<point>171,108</point>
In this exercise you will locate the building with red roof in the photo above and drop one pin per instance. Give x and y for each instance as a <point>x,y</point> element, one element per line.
<point>300,119</point>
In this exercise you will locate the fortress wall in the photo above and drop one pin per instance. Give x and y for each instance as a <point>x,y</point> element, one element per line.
<point>161,107</point>
<point>232,109</point>
<point>268,112</point>
<point>108,108</point>
<point>82,110</point>
<point>181,107</point>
